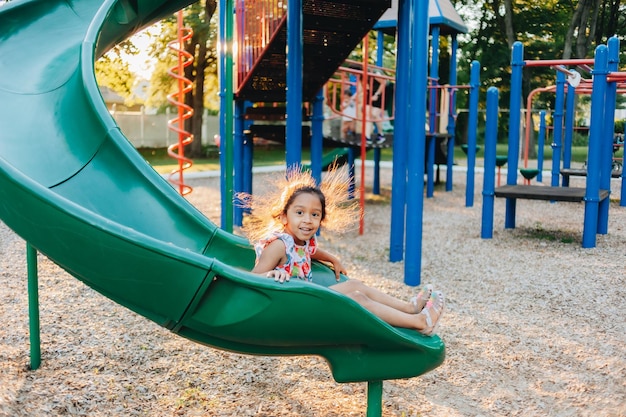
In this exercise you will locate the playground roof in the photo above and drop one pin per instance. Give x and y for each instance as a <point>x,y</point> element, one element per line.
<point>440,13</point>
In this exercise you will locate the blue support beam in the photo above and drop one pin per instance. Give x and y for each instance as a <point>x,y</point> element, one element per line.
<point>517,65</point>
<point>294,84</point>
<point>472,132</point>
<point>592,190</point>
<point>557,132</point>
<point>451,114</point>
<point>401,131</point>
<point>491,139</point>
<point>416,144</point>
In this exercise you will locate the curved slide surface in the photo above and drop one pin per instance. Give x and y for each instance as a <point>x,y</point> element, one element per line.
<point>76,190</point>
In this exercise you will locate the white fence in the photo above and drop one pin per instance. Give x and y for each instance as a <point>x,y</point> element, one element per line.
<point>150,130</point>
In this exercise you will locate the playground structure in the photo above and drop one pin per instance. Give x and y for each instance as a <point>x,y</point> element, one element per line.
<point>600,149</point>
<point>322,45</point>
<point>77,191</point>
<point>576,85</point>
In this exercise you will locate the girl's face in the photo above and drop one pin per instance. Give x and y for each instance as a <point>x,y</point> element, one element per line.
<point>303,217</point>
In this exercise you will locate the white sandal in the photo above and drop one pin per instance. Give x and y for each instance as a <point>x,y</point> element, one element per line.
<point>422,296</point>
<point>436,303</point>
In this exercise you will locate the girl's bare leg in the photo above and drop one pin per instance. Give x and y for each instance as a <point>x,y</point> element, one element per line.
<point>373,294</point>
<point>424,322</point>
<point>391,310</point>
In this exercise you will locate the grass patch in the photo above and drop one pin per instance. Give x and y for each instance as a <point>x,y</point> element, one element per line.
<point>159,159</point>
<point>384,198</point>
<point>540,233</point>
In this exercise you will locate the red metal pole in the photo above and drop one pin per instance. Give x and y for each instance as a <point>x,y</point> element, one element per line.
<point>554,62</point>
<point>364,99</point>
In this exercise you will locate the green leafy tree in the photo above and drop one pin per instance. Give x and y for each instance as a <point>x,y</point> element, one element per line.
<point>113,71</point>
<point>549,29</point>
<point>591,24</point>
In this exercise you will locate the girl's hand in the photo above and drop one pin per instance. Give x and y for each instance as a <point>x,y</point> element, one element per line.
<point>279,276</point>
<point>339,269</point>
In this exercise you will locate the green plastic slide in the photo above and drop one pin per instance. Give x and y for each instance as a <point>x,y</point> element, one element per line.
<point>74,188</point>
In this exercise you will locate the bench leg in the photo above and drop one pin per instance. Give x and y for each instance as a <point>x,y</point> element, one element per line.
<point>509,215</point>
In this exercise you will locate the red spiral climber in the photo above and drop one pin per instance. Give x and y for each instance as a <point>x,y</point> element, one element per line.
<point>184,111</point>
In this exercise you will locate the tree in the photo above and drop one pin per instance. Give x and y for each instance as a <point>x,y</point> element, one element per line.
<point>582,28</point>
<point>203,71</point>
<point>112,71</point>
<point>611,20</point>
<point>548,29</point>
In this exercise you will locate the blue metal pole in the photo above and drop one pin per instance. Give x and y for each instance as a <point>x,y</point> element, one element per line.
<point>541,141</point>
<point>570,111</point>
<point>33,307</point>
<point>416,145</point>
<point>517,65</point>
<point>622,200</point>
<point>606,158</point>
<point>351,172</point>
<point>317,136</point>
<point>248,154</point>
<point>451,115</point>
<point>432,113</point>
<point>380,48</point>
<point>399,170</point>
<point>294,84</point>
<point>472,131</point>
<point>557,134</point>
<point>592,191</point>
<point>491,139</point>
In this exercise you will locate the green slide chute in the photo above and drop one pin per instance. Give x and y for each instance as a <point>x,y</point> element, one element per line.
<point>75,189</point>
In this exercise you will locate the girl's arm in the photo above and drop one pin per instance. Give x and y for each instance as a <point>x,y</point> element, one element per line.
<point>322,255</point>
<point>272,256</point>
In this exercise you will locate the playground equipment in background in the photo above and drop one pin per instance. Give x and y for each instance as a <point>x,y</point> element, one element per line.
<point>577,85</point>
<point>347,78</point>
<point>500,162</point>
<point>177,98</point>
<point>322,45</point>
<point>598,180</point>
<point>336,157</point>
<point>530,173</point>
<point>403,18</point>
<point>77,191</point>
<point>616,163</point>
<point>347,83</point>
<point>574,78</point>
<point>317,45</point>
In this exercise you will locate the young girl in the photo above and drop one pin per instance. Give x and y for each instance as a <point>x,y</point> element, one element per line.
<point>289,245</point>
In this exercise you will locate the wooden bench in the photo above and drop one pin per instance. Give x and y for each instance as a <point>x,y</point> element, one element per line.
<point>540,192</point>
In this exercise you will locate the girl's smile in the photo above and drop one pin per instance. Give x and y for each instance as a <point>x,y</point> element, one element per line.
<point>303,217</point>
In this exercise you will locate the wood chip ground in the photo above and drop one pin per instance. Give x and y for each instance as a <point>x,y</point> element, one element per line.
<point>535,326</point>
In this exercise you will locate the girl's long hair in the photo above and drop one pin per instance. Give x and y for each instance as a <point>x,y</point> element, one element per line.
<point>265,210</point>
